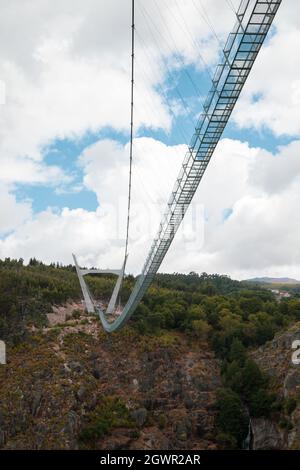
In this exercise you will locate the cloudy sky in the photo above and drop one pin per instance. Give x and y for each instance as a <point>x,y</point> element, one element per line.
<point>64,131</point>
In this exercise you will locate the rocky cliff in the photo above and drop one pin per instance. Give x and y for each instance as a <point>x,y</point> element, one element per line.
<point>72,386</point>
<point>275,358</point>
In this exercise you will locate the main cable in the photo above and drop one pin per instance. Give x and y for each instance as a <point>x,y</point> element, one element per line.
<point>131,127</point>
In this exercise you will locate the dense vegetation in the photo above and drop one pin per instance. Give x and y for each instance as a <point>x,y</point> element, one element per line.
<point>216,308</point>
<point>110,414</point>
<point>27,293</point>
<point>232,316</point>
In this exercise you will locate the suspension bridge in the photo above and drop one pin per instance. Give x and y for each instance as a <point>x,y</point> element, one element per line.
<point>253,21</point>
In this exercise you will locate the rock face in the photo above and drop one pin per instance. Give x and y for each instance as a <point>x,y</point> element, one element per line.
<point>140,416</point>
<point>291,382</point>
<point>54,387</point>
<point>275,358</point>
<point>36,402</point>
<point>266,435</point>
<point>159,395</point>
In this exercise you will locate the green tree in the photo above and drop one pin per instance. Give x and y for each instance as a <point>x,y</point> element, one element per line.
<point>232,418</point>
<point>260,403</point>
<point>237,351</point>
<point>201,329</point>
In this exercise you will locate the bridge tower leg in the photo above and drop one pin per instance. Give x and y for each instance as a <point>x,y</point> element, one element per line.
<point>89,305</point>
<point>113,299</point>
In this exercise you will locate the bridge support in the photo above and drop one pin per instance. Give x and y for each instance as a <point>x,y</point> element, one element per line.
<point>89,305</point>
<point>88,299</point>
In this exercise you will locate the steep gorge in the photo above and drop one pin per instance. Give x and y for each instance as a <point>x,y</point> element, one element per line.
<point>185,374</point>
<point>158,392</point>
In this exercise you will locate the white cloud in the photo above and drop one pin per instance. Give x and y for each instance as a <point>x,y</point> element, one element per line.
<point>67,72</point>
<point>67,69</point>
<point>107,160</point>
<point>260,235</point>
<point>98,237</point>
<point>262,231</point>
<point>27,171</point>
<point>275,174</point>
<point>155,167</point>
<point>66,66</point>
<point>12,213</point>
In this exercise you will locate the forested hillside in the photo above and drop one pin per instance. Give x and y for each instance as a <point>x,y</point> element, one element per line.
<point>188,324</point>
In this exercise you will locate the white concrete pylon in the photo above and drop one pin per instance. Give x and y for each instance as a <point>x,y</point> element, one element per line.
<point>89,303</point>
<point>112,303</point>
<point>2,352</point>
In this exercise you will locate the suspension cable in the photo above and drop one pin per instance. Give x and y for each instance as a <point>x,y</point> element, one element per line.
<point>231,6</point>
<point>131,127</point>
<point>177,54</point>
<point>164,60</point>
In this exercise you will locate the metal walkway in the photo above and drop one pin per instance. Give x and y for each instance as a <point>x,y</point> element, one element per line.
<point>254,18</point>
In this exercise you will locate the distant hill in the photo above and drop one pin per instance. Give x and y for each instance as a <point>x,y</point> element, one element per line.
<point>274,280</point>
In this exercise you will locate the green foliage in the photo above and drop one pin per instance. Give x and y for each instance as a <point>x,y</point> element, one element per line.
<point>233,316</point>
<point>201,329</point>
<point>162,421</point>
<point>109,414</point>
<point>237,352</point>
<point>76,314</point>
<point>243,377</point>
<point>27,294</point>
<point>207,284</point>
<point>234,310</point>
<point>261,403</point>
<point>290,405</point>
<point>231,309</point>
<point>226,441</point>
<point>232,419</point>
<point>286,424</point>
<point>246,379</point>
<point>263,326</point>
<point>293,307</point>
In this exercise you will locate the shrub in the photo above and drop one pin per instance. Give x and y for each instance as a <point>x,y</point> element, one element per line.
<point>286,424</point>
<point>76,314</point>
<point>290,405</point>
<point>260,403</point>
<point>226,441</point>
<point>110,414</point>
<point>232,419</point>
<point>201,329</point>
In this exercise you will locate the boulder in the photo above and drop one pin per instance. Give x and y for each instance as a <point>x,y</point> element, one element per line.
<point>97,372</point>
<point>291,382</point>
<point>36,402</point>
<point>75,366</point>
<point>266,435</point>
<point>72,424</point>
<point>2,438</point>
<point>140,416</point>
<point>183,429</point>
<point>81,393</point>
